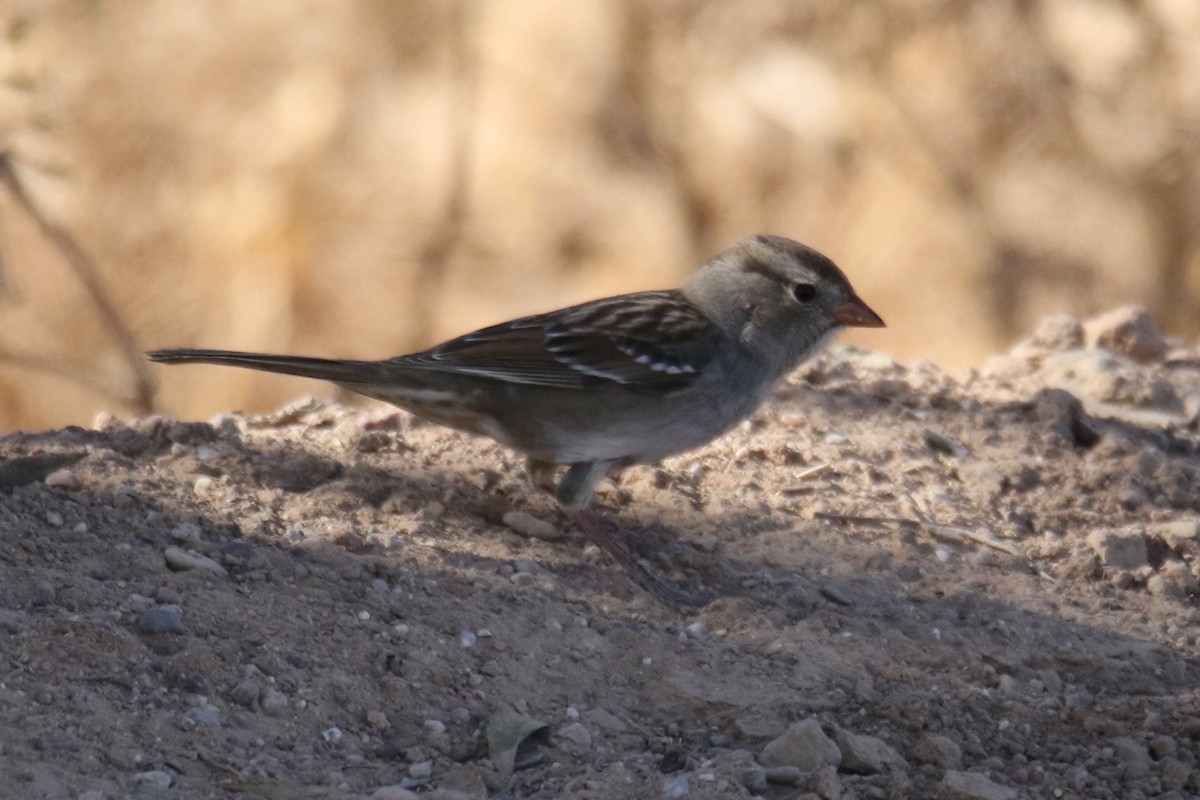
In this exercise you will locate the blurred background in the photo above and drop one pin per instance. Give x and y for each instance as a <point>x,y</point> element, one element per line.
<point>365,178</point>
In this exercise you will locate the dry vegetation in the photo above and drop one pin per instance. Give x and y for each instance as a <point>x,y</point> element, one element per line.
<point>363,178</point>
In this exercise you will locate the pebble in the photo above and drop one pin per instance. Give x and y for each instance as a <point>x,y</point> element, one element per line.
<point>1161,747</point>
<point>152,782</point>
<point>204,716</point>
<point>577,733</point>
<point>1128,331</point>
<point>332,735</point>
<point>531,526</point>
<point>186,532</point>
<point>273,701</point>
<point>246,693</point>
<point>237,552</point>
<point>958,785</point>
<point>1057,332</point>
<point>1160,586</point>
<point>783,776</point>
<point>378,720</point>
<point>420,770</point>
<point>866,755</point>
<point>940,751</point>
<point>676,786</point>
<point>64,479</point>
<point>467,639</point>
<point>54,519</point>
<point>1175,533</point>
<point>394,792</point>
<point>1119,548</point>
<point>202,485</point>
<point>161,619</point>
<point>181,560</point>
<point>1133,758</point>
<point>1175,774</point>
<point>43,593</point>
<point>803,745</point>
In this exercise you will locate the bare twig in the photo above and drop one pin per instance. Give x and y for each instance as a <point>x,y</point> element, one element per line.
<point>946,532</point>
<point>142,397</point>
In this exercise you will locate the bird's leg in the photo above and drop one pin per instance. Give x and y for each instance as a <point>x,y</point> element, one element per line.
<point>574,492</point>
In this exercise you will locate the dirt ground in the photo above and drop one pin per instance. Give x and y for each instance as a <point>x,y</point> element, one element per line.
<point>924,585</point>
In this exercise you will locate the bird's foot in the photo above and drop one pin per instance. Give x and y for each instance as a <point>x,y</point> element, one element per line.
<point>605,535</point>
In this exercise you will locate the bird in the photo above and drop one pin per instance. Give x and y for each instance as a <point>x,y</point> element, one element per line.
<point>611,383</point>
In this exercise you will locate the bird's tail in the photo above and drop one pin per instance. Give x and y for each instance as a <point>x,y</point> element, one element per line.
<point>326,369</point>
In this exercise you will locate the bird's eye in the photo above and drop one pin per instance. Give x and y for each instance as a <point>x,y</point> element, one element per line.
<point>804,292</point>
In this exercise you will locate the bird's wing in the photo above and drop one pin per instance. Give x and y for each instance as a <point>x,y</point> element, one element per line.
<point>652,342</point>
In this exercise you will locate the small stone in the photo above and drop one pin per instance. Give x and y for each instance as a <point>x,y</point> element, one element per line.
<point>64,479</point>
<point>531,526</point>
<point>204,716</point>
<point>186,533</point>
<point>273,701</point>
<point>577,733</point>
<point>332,735</point>
<point>1175,774</point>
<point>937,750</point>
<point>1127,331</point>
<point>958,785</point>
<point>246,693</point>
<point>1133,758</point>
<point>866,755</point>
<point>1057,332</point>
<point>784,776</point>
<point>394,792</point>
<point>181,560</point>
<point>755,780</point>
<point>420,770</point>
<point>43,593</point>
<point>803,745</point>
<point>237,552</point>
<point>161,619</point>
<point>152,782</point>
<point>378,720</point>
<point>1161,747</point>
<point>1160,586</point>
<point>1119,548</point>
<point>675,787</point>
<point>826,784</point>
<point>1175,533</point>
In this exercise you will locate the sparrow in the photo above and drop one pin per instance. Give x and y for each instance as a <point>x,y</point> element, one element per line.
<point>611,383</point>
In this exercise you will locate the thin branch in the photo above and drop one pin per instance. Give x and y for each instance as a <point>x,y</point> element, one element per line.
<point>951,533</point>
<point>142,399</point>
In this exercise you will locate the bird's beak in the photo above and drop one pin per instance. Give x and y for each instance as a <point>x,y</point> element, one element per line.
<point>856,314</point>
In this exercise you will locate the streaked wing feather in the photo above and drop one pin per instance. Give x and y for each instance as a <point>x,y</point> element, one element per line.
<point>654,342</point>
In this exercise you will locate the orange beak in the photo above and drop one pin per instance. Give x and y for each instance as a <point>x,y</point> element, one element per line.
<point>856,314</point>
